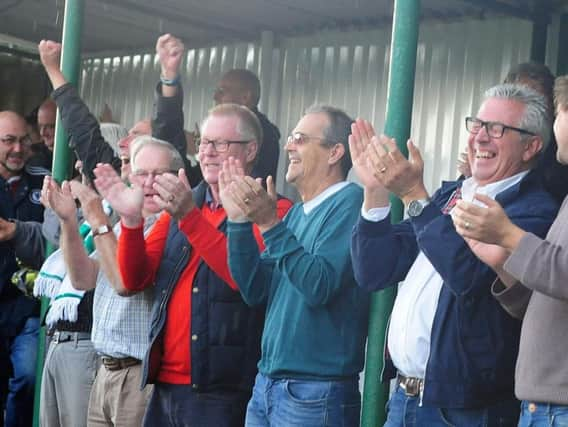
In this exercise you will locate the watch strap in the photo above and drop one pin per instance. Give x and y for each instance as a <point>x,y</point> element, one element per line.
<point>101,229</point>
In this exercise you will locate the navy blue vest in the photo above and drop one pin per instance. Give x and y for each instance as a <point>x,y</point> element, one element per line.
<point>225,332</point>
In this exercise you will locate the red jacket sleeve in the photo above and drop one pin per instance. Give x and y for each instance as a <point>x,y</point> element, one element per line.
<point>139,258</point>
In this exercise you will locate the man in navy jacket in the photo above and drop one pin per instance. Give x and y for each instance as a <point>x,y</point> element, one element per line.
<point>450,344</point>
<point>21,214</point>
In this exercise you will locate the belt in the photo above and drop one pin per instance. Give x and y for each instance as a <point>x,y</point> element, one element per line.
<point>412,386</point>
<point>115,364</point>
<point>63,336</point>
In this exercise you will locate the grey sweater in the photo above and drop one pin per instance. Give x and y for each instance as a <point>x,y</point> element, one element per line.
<point>542,301</point>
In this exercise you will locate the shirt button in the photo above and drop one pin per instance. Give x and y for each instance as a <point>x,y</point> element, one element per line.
<point>194,386</point>
<point>532,407</point>
<point>194,337</point>
<point>195,290</point>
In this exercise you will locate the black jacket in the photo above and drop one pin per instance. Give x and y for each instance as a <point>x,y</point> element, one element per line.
<point>267,159</point>
<point>23,205</point>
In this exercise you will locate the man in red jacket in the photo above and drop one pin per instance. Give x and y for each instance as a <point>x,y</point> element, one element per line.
<point>205,341</point>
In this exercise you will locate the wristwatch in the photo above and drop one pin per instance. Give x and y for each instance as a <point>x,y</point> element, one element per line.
<point>415,207</point>
<point>102,229</point>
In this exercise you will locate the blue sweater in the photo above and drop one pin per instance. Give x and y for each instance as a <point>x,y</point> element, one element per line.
<point>316,320</point>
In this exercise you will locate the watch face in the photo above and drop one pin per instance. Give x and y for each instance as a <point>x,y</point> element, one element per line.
<point>101,230</point>
<point>415,208</point>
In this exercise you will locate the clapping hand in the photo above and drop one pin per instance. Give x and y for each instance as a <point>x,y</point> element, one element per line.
<point>174,194</point>
<point>255,203</point>
<point>127,202</point>
<point>59,199</point>
<point>231,170</point>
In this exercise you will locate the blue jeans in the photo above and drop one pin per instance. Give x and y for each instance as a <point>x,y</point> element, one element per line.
<point>543,415</point>
<point>23,354</point>
<point>178,405</point>
<point>299,403</point>
<point>404,411</point>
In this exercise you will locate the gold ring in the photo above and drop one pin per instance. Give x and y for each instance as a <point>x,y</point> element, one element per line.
<point>383,169</point>
<point>467,225</point>
<point>246,200</point>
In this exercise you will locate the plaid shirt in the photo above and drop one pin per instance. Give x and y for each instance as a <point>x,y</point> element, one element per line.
<point>121,325</point>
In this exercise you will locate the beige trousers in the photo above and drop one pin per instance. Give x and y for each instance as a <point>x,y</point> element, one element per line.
<point>116,398</point>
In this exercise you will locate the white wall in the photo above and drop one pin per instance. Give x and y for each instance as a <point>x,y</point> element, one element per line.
<point>456,62</point>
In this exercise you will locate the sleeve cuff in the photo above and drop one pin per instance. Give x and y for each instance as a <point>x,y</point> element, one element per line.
<point>61,90</point>
<point>513,299</point>
<point>372,228</point>
<point>516,264</point>
<point>375,214</point>
<point>430,212</point>
<point>239,227</point>
<point>131,230</point>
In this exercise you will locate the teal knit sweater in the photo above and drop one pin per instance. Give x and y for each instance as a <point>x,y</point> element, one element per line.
<point>316,320</point>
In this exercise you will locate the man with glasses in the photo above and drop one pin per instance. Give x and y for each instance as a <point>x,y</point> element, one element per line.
<point>204,340</point>
<point>316,317</point>
<point>451,345</point>
<point>532,287</point>
<point>20,236</point>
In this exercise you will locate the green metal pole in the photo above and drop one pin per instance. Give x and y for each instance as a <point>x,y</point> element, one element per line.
<point>404,42</point>
<point>70,66</point>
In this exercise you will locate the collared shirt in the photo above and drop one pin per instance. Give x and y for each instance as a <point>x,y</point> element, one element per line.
<point>417,299</point>
<point>328,192</point>
<point>121,325</point>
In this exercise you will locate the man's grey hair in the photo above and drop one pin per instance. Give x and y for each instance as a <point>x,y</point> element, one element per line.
<point>337,132</point>
<point>536,117</point>
<point>176,162</point>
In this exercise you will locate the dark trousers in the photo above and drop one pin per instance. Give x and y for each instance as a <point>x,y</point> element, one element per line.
<point>174,405</point>
<point>406,411</point>
<point>21,353</point>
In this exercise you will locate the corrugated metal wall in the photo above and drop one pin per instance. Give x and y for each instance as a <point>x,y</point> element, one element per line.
<point>23,83</point>
<point>455,63</point>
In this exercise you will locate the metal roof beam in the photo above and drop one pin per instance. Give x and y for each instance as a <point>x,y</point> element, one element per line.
<point>182,19</point>
<point>505,8</point>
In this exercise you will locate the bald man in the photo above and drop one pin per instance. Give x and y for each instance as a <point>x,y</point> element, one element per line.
<point>20,216</point>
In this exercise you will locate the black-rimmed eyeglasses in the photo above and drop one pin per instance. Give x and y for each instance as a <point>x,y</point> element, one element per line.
<point>493,129</point>
<point>220,146</point>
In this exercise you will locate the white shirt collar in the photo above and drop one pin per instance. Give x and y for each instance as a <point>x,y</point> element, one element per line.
<point>328,192</point>
<point>470,187</point>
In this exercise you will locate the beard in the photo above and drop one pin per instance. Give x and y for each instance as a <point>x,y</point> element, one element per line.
<point>10,168</point>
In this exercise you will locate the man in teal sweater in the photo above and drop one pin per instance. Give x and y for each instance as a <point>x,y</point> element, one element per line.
<point>316,320</point>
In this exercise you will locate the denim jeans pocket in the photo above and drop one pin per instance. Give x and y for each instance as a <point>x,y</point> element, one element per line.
<point>559,416</point>
<point>307,392</point>
<point>464,417</point>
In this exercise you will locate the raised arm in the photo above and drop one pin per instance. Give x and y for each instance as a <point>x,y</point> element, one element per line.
<point>167,118</point>
<point>106,242</point>
<point>82,127</point>
<point>82,270</point>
